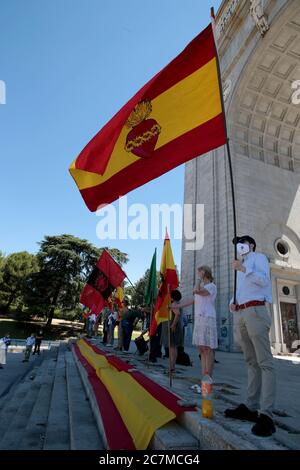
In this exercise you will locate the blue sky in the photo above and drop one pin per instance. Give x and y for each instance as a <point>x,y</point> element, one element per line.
<point>69,65</point>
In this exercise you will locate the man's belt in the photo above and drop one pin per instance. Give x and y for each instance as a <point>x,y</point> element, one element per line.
<point>252,303</point>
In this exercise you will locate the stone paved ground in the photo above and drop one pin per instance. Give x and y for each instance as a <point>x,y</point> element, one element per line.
<point>14,370</point>
<point>230,386</point>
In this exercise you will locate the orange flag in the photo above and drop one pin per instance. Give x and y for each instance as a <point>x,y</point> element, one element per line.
<point>119,296</point>
<point>175,117</point>
<point>169,281</point>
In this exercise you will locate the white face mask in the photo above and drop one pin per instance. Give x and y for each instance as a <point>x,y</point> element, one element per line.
<point>242,249</point>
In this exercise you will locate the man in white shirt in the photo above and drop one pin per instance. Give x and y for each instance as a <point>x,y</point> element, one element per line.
<point>28,347</point>
<point>254,321</point>
<point>91,324</point>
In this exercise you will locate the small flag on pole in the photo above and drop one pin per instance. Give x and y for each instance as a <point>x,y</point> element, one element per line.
<point>119,296</point>
<point>169,281</point>
<point>151,286</point>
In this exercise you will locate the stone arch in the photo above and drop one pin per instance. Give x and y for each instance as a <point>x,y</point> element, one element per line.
<point>273,231</point>
<point>264,123</point>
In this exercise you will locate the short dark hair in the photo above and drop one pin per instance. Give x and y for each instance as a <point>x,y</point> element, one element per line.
<point>243,239</point>
<point>176,295</point>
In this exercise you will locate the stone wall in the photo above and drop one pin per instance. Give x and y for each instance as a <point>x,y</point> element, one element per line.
<point>264,131</point>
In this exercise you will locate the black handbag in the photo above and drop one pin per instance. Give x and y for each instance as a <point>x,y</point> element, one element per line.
<point>141,344</point>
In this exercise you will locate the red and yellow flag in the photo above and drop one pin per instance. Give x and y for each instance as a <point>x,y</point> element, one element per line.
<point>169,281</point>
<point>175,117</point>
<point>132,407</point>
<point>119,296</point>
<point>105,277</point>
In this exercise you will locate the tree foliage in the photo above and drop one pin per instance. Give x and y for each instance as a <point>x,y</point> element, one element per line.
<point>50,282</point>
<point>65,262</point>
<point>15,271</point>
<point>136,293</point>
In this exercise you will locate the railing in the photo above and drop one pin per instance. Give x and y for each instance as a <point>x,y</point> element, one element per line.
<point>46,344</point>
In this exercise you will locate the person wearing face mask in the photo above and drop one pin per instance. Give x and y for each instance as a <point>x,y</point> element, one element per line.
<point>253,326</point>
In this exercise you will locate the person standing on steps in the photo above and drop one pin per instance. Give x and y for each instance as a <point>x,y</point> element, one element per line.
<point>176,329</point>
<point>4,343</point>
<point>254,291</point>
<point>205,334</point>
<point>28,347</point>
<point>38,342</point>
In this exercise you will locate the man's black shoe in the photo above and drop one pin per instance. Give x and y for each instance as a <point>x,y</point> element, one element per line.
<point>242,412</point>
<point>264,426</point>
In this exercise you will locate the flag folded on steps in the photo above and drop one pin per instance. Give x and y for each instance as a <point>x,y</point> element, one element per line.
<point>105,277</point>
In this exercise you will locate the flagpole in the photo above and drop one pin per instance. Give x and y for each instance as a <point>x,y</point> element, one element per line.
<point>228,152</point>
<point>151,316</point>
<point>130,282</point>
<point>169,341</point>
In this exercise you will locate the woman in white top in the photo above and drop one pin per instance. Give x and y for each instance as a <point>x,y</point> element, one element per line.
<point>2,353</point>
<point>205,335</point>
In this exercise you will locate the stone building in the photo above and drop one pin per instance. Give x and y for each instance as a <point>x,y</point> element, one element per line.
<point>259,49</point>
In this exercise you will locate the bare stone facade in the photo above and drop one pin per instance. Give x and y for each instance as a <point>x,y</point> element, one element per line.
<point>258,69</point>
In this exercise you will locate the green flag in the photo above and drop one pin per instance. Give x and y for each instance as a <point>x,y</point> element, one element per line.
<point>151,287</point>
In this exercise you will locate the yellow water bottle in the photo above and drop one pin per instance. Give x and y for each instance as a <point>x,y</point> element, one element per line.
<point>207,399</point>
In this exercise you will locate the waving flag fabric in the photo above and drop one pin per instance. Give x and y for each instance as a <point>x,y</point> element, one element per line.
<point>119,296</point>
<point>105,277</point>
<point>169,281</point>
<point>151,286</point>
<point>175,117</point>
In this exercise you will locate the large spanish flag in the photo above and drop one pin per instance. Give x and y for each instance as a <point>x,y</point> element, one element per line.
<point>169,281</point>
<point>175,117</point>
<point>131,406</point>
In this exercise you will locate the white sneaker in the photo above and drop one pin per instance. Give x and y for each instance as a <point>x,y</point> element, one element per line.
<point>196,388</point>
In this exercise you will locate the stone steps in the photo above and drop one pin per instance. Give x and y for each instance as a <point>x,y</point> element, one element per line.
<point>84,434</point>
<point>34,435</point>
<point>14,431</point>
<point>58,433</point>
<point>12,401</point>
<point>48,409</point>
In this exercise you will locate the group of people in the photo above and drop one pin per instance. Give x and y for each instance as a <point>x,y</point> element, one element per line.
<point>125,319</point>
<point>250,305</point>
<point>33,342</point>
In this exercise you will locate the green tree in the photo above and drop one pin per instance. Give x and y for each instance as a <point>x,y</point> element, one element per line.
<point>2,259</point>
<point>65,262</point>
<point>137,292</point>
<point>15,269</point>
